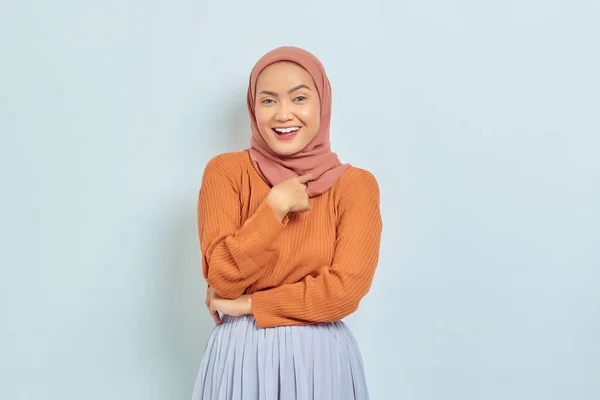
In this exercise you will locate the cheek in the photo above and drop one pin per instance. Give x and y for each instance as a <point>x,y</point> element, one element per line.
<point>262,120</point>
<point>312,116</point>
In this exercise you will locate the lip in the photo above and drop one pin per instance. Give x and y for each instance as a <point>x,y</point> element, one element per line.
<point>286,136</point>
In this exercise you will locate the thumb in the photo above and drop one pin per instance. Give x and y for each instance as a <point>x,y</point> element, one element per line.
<point>305,178</point>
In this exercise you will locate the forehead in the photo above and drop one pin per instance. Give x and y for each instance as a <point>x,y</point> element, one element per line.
<point>283,74</point>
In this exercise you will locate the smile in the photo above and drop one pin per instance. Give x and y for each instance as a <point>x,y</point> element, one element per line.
<point>286,130</point>
<point>286,133</point>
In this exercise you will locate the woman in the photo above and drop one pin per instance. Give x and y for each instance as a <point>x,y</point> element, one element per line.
<point>290,241</point>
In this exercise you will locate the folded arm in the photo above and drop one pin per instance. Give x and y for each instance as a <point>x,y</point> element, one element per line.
<point>336,290</point>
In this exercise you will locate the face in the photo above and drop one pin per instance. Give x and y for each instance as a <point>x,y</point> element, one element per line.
<point>287,107</point>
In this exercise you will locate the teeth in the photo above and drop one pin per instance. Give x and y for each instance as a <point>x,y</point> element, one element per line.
<point>287,130</point>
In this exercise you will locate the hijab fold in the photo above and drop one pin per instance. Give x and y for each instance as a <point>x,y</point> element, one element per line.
<point>317,157</point>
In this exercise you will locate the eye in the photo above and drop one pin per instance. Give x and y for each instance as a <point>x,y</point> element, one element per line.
<point>267,101</point>
<point>300,98</point>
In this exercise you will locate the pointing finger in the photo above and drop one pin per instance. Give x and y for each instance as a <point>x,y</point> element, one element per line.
<point>305,178</point>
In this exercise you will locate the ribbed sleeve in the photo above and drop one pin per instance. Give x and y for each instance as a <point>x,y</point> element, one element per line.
<point>336,290</point>
<point>233,254</point>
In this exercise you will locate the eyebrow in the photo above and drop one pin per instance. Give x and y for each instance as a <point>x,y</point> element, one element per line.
<point>274,94</point>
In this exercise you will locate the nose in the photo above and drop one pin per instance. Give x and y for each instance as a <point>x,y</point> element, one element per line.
<point>284,114</point>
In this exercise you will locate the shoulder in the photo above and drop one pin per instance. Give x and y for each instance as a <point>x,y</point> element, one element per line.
<point>230,165</point>
<point>356,187</point>
<point>355,180</point>
<point>228,161</point>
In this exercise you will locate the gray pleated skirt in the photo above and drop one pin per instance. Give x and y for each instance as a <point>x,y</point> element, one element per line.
<point>312,362</point>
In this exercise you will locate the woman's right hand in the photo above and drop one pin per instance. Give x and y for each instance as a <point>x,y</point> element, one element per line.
<point>289,196</point>
<point>210,296</point>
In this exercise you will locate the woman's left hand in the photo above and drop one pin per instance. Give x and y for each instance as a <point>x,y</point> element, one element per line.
<point>217,304</point>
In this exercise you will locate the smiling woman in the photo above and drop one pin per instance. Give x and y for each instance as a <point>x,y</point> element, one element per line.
<point>290,241</point>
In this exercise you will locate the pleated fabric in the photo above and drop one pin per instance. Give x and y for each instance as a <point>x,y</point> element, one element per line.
<point>310,362</point>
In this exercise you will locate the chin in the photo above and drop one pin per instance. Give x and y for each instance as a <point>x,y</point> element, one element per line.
<point>287,149</point>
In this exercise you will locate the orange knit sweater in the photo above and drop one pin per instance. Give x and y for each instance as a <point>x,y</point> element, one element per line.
<point>315,266</point>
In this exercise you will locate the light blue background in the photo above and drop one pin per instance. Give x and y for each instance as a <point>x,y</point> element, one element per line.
<point>479,119</point>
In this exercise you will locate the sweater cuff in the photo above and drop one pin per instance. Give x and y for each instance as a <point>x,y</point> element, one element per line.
<point>265,312</point>
<point>259,304</point>
<point>255,239</point>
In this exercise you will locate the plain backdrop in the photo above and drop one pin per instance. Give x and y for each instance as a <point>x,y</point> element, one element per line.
<point>480,121</point>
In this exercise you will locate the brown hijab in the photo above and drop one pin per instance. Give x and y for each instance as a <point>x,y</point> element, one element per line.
<point>317,157</point>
